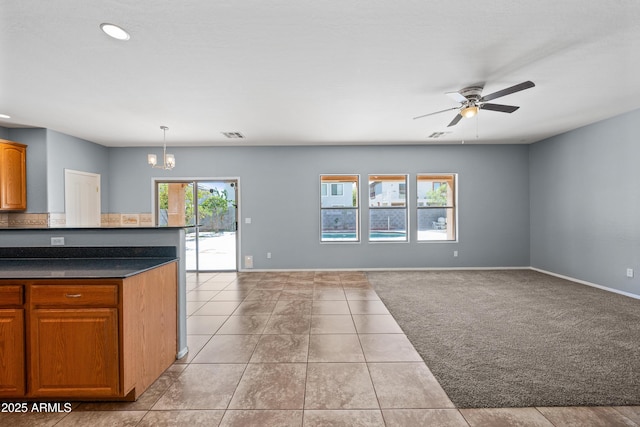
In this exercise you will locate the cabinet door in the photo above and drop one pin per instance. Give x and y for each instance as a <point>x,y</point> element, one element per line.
<point>74,352</point>
<point>13,188</point>
<point>12,372</point>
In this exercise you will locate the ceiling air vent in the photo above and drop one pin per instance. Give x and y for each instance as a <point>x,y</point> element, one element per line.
<point>233,135</point>
<point>437,134</point>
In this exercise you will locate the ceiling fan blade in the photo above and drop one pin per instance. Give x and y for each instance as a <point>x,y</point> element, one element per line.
<point>437,112</point>
<point>499,107</point>
<point>507,91</point>
<point>455,120</point>
<point>457,96</point>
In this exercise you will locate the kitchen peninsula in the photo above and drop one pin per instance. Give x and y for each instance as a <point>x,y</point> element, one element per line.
<point>98,318</point>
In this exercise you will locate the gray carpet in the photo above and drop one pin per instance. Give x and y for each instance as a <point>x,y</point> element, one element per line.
<point>518,338</point>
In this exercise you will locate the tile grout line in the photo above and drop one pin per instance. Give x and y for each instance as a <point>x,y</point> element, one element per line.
<point>366,362</point>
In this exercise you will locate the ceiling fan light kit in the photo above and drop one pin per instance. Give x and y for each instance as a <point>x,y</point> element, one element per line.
<point>471,101</point>
<point>469,111</point>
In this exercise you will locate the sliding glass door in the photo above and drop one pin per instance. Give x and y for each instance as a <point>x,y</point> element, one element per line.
<point>208,210</point>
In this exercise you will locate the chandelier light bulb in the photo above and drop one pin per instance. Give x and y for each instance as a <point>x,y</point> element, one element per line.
<point>170,160</point>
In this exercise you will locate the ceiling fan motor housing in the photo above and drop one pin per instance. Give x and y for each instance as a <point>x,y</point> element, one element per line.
<point>472,93</point>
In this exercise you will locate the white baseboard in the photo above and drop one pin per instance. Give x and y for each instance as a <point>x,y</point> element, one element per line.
<point>290,270</point>
<point>584,282</point>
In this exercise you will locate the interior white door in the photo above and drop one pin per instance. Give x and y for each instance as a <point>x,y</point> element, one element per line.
<point>81,198</point>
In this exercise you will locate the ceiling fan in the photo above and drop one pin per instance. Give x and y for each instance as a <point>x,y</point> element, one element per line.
<point>471,101</point>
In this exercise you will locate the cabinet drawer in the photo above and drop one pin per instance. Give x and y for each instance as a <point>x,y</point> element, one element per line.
<point>11,295</point>
<point>74,295</point>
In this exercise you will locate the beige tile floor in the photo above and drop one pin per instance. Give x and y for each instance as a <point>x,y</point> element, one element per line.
<point>301,349</point>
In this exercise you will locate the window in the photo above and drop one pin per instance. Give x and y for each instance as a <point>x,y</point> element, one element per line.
<point>339,213</point>
<point>337,189</point>
<point>436,207</point>
<point>388,208</point>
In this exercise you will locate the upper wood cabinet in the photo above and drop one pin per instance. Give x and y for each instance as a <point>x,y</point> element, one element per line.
<point>13,176</point>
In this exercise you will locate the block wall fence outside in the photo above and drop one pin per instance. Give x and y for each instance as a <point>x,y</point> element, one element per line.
<point>387,219</point>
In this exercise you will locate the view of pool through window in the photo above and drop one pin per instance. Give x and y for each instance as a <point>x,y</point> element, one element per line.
<point>373,235</point>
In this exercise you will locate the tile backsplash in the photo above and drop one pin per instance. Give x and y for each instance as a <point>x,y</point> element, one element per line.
<point>58,220</point>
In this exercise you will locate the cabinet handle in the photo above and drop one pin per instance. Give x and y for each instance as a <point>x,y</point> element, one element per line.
<point>73,295</point>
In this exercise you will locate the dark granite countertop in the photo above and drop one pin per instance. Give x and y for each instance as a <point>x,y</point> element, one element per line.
<point>81,262</point>
<point>77,268</point>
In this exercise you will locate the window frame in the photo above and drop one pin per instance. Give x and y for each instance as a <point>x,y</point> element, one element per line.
<point>451,207</point>
<point>403,189</point>
<point>328,180</point>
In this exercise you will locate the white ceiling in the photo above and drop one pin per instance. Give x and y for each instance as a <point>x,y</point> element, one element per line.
<point>301,72</point>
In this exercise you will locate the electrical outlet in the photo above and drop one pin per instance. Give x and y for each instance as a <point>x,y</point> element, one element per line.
<point>268,255</point>
<point>455,253</point>
<point>629,272</point>
<point>57,241</point>
<point>248,261</point>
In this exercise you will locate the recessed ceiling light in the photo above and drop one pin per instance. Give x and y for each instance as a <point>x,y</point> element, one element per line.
<point>4,116</point>
<point>114,31</point>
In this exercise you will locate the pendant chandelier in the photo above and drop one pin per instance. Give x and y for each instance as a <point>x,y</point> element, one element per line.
<point>168,160</point>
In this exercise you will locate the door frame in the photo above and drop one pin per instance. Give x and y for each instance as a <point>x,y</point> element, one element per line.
<point>238,187</point>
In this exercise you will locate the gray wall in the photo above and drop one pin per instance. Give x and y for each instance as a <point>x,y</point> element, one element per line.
<point>280,192</point>
<point>68,152</point>
<point>585,203</point>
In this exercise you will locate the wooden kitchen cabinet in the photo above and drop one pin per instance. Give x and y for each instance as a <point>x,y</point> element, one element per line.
<point>12,369</point>
<point>80,324</point>
<point>87,339</point>
<point>13,176</point>
<point>12,341</point>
